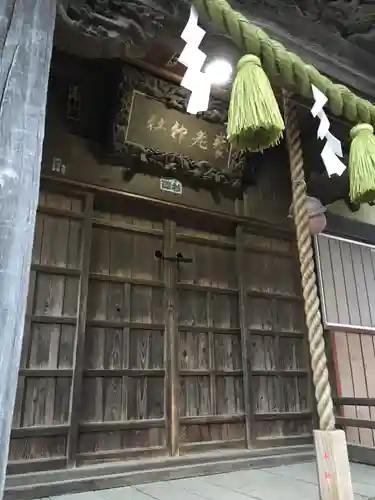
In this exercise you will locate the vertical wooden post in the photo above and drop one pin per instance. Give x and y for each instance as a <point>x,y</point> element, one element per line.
<point>171,331</point>
<point>333,465</point>
<point>79,341</point>
<point>211,352</point>
<point>330,444</point>
<point>26,38</point>
<point>246,368</point>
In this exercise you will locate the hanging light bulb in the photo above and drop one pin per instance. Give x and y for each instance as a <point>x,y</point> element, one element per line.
<point>219,71</point>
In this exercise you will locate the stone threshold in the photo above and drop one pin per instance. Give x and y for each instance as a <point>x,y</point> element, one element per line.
<point>133,472</point>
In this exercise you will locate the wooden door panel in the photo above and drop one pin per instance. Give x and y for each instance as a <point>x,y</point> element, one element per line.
<point>192,308</point>
<point>42,410</point>
<point>195,397</point>
<point>51,346</point>
<point>211,406</point>
<point>57,240</point>
<point>212,266</point>
<point>55,295</point>
<point>274,274</point>
<point>225,310</point>
<point>126,354</point>
<point>119,254</point>
<point>227,349</point>
<point>193,351</point>
<point>123,413</point>
<point>276,340</point>
<point>92,383</point>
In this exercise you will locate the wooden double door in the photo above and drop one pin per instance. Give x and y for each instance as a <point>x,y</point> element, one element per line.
<point>143,336</point>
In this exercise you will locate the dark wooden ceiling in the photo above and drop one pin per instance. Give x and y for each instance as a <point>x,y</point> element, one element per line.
<point>336,35</point>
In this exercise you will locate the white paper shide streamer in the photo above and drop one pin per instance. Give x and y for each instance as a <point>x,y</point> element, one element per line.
<point>332,149</point>
<point>193,58</point>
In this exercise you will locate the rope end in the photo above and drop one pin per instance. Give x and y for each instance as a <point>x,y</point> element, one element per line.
<point>254,118</point>
<point>362,164</point>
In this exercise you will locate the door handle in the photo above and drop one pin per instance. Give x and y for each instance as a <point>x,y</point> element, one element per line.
<point>178,259</point>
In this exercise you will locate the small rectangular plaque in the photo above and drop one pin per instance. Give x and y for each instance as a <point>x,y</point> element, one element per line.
<point>170,186</point>
<point>58,166</point>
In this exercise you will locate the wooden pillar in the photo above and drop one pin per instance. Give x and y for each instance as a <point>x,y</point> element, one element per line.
<point>26,38</point>
<point>171,344</point>
<point>245,334</point>
<point>330,444</point>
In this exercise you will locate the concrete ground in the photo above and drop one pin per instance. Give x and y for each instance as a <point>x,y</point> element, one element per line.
<point>289,482</point>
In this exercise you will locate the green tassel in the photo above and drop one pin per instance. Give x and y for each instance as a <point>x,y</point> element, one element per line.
<point>254,118</point>
<point>362,164</point>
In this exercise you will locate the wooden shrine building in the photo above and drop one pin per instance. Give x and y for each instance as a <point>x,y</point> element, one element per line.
<point>165,317</point>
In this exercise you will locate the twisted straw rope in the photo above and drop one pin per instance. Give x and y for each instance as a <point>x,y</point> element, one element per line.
<point>288,68</point>
<point>305,250</point>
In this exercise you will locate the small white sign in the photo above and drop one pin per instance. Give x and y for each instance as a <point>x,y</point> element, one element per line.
<point>58,166</point>
<point>170,186</point>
